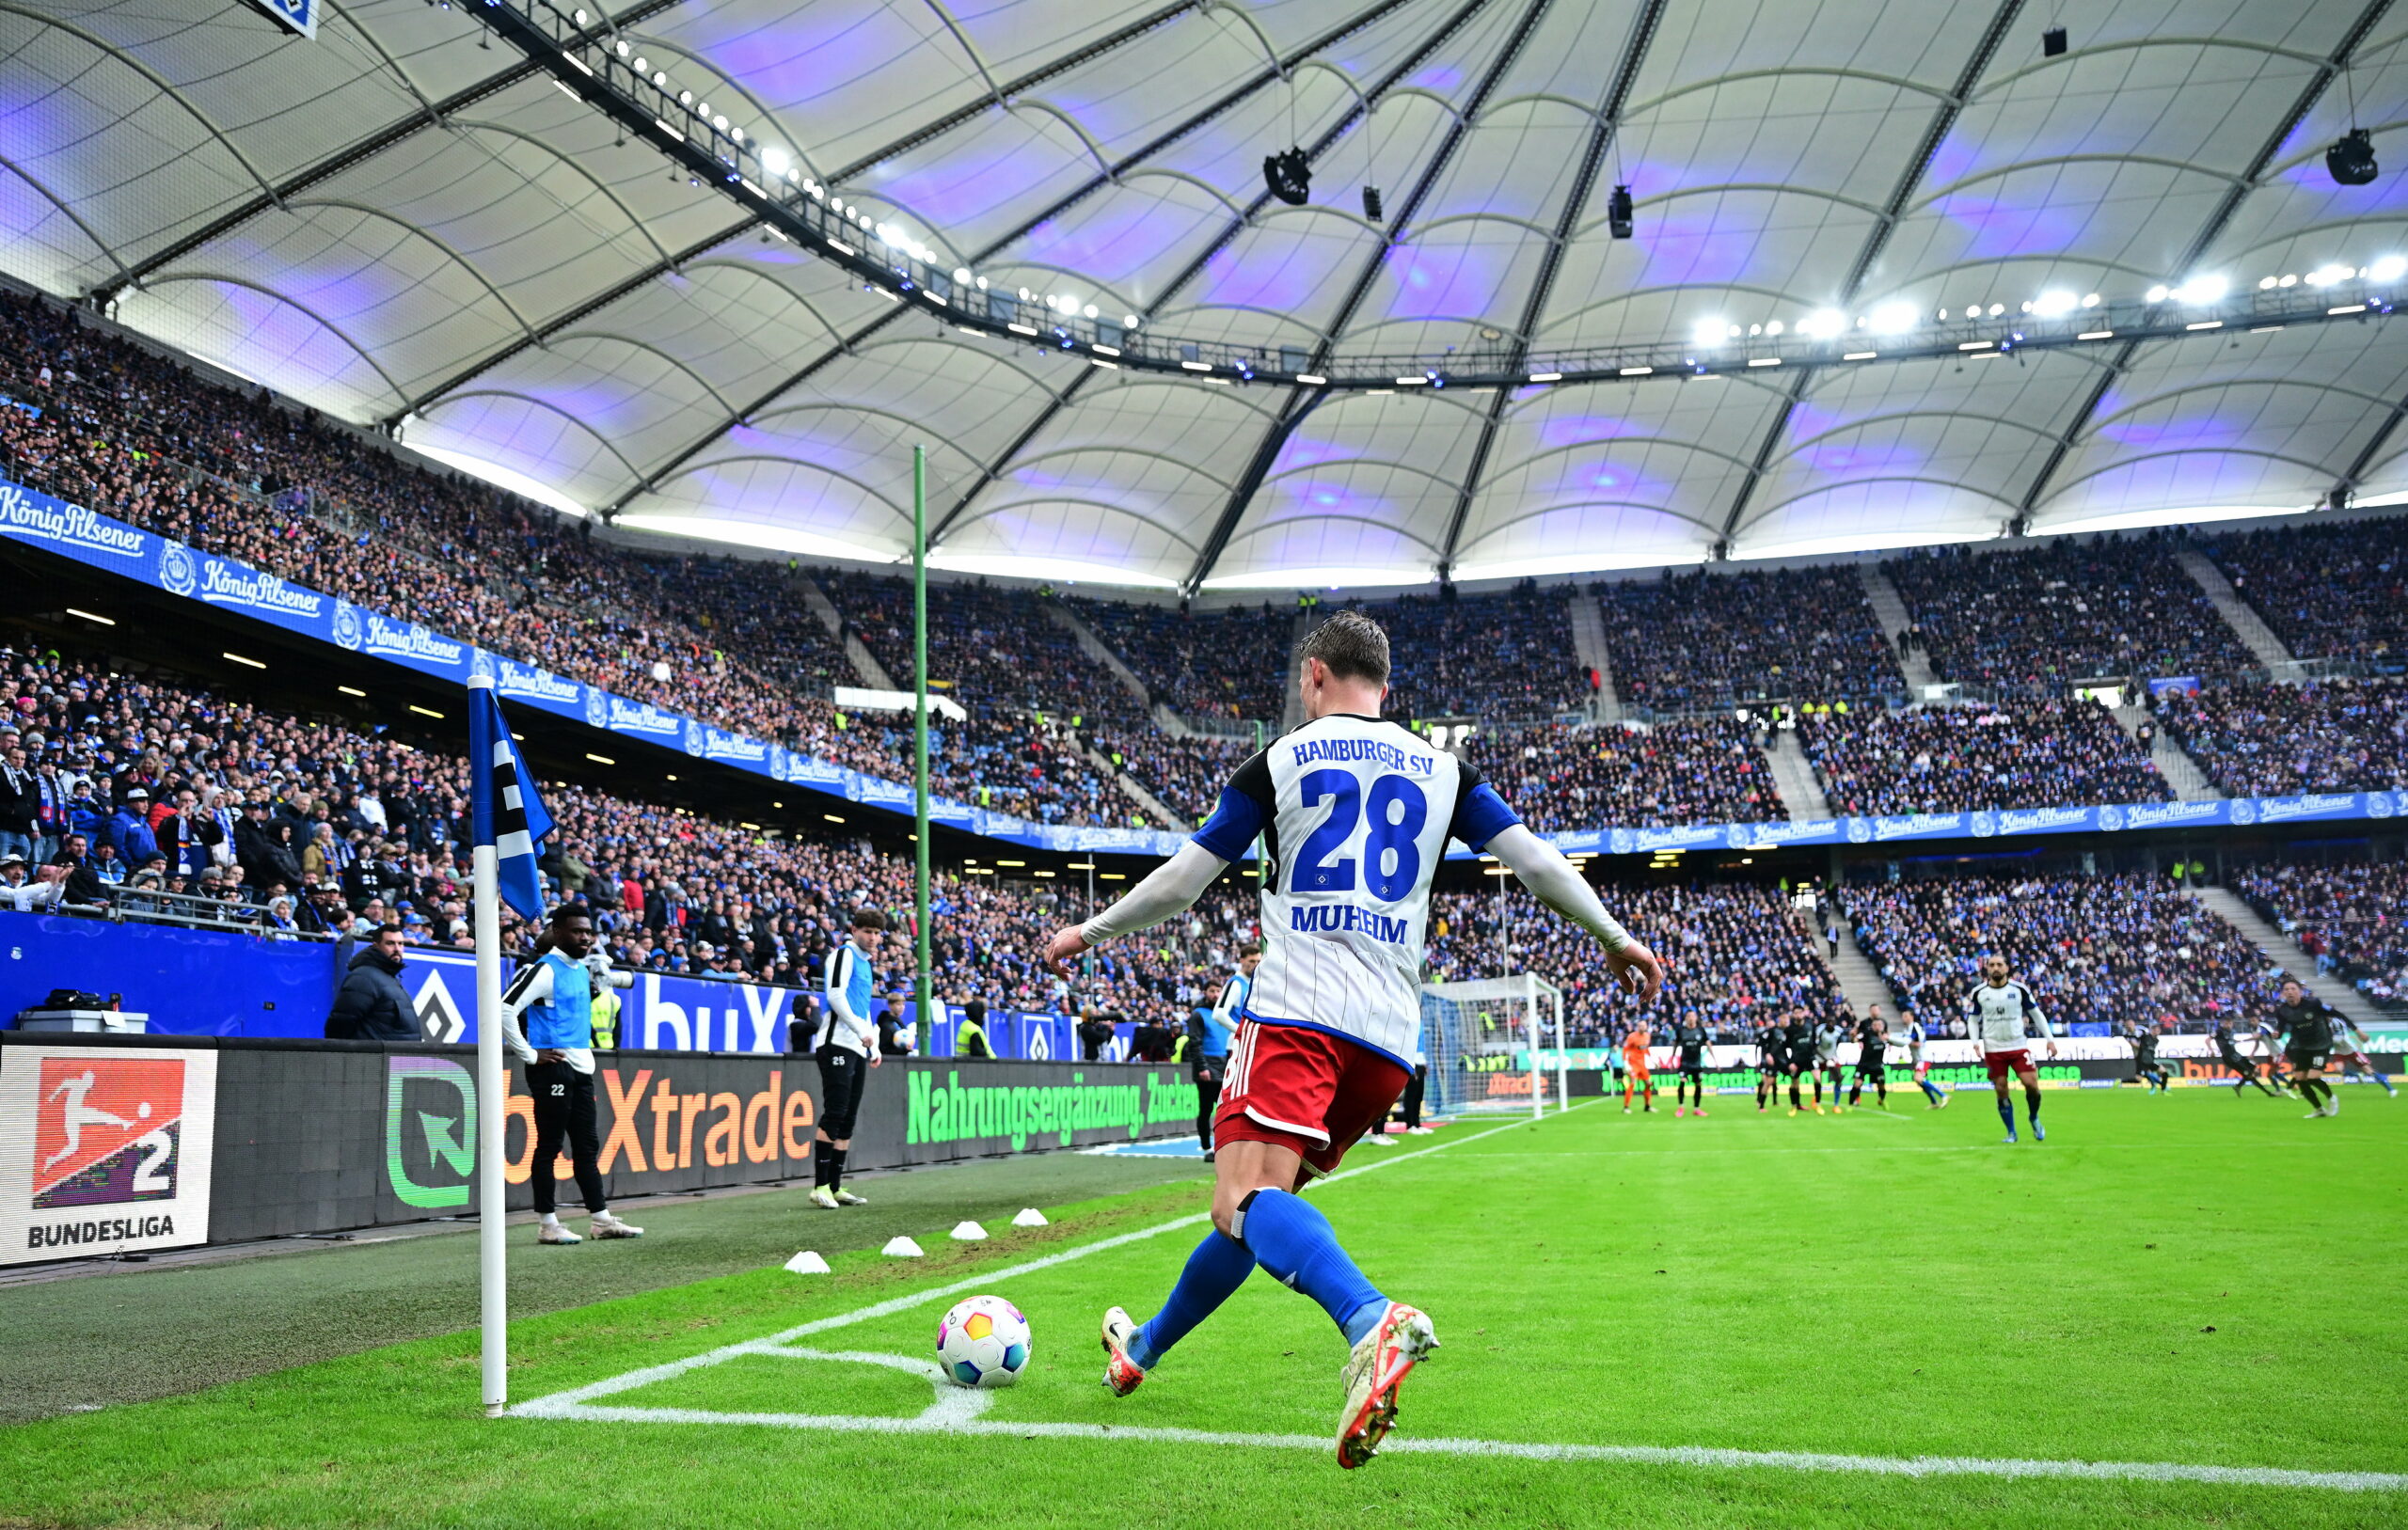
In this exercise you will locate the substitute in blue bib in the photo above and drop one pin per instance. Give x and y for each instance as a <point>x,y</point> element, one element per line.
<point>547,1021</point>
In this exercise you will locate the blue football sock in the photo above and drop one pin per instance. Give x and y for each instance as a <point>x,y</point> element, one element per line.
<point>1217,1267</point>
<point>2006,1113</point>
<point>1294,1242</point>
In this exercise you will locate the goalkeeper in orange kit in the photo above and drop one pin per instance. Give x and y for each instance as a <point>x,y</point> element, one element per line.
<point>1635,1078</point>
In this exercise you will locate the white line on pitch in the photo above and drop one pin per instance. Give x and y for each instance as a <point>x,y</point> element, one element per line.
<point>557,1403</point>
<point>1690,1456</point>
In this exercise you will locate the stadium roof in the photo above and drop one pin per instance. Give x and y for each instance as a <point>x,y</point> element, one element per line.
<point>406,220</point>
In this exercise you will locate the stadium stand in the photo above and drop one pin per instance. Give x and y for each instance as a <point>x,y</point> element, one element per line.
<point>1186,775</point>
<point>1684,642</point>
<point>2037,620</point>
<point>992,649</point>
<point>355,829</point>
<point>1228,663</point>
<point>2095,950</point>
<point>2032,754</point>
<point>2267,740</point>
<point>1688,771</point>
<point>2337,592</point>
<point>1736,953</point>
<point>1505,656</point>
<point>2352,919</point>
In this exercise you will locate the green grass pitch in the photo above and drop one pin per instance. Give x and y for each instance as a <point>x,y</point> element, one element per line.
<point>2194,1280</point>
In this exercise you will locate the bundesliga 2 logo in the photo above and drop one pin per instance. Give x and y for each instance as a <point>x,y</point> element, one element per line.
<point>179,573</point>
<point>348,631</point>
<point>105,1130</point>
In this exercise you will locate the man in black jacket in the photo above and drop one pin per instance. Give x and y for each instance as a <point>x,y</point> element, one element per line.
<point>372,1004</point>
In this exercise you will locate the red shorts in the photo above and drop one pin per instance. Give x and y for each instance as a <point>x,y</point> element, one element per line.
<point>2000,1063</point>
<point>1304,1089</point>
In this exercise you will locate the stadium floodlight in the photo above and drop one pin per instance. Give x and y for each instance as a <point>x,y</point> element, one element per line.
<point>773,160</point>
<point>1089,311</point>
<point>2390,268</point>
<point>1708,332</point>
<point>2325,275</point>
<point>1822,323</point>
<point>2199,292</point>
<point>2156,294</point>
<point>2351,160</point>
<point>2055,304</point>
<point>1129,321</point>
<point>1773,328</point>
<point>1895,317</point>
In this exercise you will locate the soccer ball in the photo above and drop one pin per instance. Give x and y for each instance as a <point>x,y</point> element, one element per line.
<point>983,1342</point>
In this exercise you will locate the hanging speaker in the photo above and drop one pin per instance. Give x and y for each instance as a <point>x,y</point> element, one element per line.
<point>1371,203</point>
<point>1618,212</point>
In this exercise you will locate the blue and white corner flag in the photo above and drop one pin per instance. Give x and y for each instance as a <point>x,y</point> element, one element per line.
<point>503,810</point>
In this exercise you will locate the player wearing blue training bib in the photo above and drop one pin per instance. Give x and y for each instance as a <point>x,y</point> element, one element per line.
<point>548,1023</point>
<point>1355,814</point>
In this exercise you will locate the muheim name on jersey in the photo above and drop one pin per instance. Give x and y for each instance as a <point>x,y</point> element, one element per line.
<point>1353,751</point>
<point>1345,918</point>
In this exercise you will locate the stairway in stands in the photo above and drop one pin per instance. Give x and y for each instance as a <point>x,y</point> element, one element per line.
<point>2183,776</point>
<point>1890,609</point>
<point>1793,777</point>
<point>865,666</point>
<point>1589,644</point>
<point>1858,978</point>
<point>2245,622</point>
<point>2284,953</point>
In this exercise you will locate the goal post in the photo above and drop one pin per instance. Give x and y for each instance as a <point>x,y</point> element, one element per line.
<point>1487,1044</point>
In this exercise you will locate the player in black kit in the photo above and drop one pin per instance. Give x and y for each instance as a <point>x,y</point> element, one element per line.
<point>2229,1053</point>
<point>1801,1060</point>
<point>1688,1043</point>
<point>2307,1030</point>
<point>2145,1067</point>
<point>1872,1044</point>
<point>1772,1049</point>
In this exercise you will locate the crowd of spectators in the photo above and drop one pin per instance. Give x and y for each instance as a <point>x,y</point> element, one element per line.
<point>1227,663</point>
<point>2094,950</point>
<point>154,788</point>
<point>1735,954</point>
<point>2023,754</point>
<point>2329,592</point>
<point>1685,642</point>
<point>2352,919</point>
<point>2269,740</point>
<point>1702,770</point>
<point>1186,775</point>
<point>2037,620</point>
<point>1509,655</point>
<point>991,648</point>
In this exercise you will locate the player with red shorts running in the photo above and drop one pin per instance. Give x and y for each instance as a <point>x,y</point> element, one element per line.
<point>1355,814</point>
<point>1996,1012</point>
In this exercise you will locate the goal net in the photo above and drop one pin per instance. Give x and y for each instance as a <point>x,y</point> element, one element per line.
<point>1494,1043</point>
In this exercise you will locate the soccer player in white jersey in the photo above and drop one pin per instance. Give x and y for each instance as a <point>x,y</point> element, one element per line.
<point>1355,814</point>
<point>1996,1011</point>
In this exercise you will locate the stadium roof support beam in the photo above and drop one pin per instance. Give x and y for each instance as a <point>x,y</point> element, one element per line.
<point>1102,178</point>
<point>1943,121</point>
<point>1284,68</point>
<point>2328,71</point>
<point>586,307</point>
<point>1608,122</point>
<point>356,154</point>
<point>1459,127</point>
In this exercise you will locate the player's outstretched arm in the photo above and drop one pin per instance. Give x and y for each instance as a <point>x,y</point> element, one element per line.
<point>1558,883</point>
<point>1168,889</point>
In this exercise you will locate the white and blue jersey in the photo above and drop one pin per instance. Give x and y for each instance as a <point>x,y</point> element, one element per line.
<point>1355,814</point>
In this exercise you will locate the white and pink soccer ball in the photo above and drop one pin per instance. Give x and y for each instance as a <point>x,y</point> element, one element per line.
<point>983,1342</point>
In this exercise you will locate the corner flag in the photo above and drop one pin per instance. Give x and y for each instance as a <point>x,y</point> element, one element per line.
<point>504,811</point>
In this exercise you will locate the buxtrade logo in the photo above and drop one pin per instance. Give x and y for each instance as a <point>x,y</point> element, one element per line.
<point>430,1131</point>
<point>106,1131</point>
<point>349,630</point>
<point>179,571</point>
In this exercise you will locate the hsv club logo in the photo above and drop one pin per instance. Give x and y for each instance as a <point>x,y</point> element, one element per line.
<point>105,1130</point>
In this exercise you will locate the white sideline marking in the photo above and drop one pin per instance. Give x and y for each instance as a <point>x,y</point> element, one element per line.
<point>957,1410</point>
<point>567,1404</point>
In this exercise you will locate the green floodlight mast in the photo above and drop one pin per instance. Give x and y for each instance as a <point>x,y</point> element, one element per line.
<point>582,56</point>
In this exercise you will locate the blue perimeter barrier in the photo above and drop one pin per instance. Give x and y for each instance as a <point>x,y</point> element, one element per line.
<point>208,982</point>
<point>99,541</point>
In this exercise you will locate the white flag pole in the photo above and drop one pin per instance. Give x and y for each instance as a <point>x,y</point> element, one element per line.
<point>493,1120</point>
